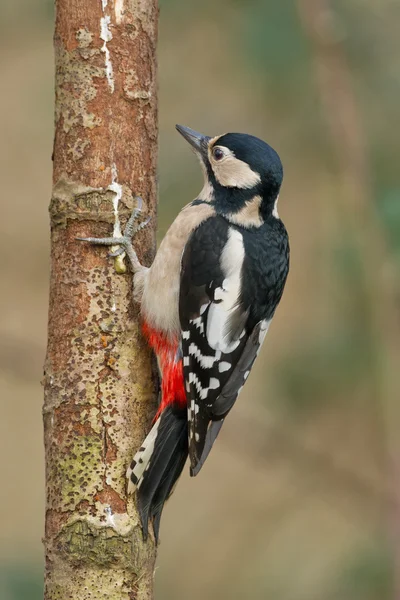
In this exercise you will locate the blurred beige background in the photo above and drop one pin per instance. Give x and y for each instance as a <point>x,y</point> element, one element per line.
<point>294,503</point>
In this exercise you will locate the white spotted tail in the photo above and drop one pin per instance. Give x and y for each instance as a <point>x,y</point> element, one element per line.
<point>141,460</point>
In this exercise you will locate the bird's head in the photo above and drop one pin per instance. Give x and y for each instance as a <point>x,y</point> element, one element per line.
<point>243,174</point>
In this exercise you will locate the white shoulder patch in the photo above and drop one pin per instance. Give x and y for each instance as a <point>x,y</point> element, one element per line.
<point>219,313</point>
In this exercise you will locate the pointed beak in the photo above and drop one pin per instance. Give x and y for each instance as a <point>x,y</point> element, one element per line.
<point>197,140</point>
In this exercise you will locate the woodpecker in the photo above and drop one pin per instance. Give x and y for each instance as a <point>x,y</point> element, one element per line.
<point>207,302</point>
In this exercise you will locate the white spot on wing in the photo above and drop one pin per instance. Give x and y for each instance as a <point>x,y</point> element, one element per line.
<point>214,383</point>
<point>205,361</point>
<point>196,382</point>
<point>224,366</point>
<point>198,323</point>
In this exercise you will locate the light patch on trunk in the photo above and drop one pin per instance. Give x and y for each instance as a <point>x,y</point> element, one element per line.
<point>106,36</point>
<point>119,11</point>
<point>109,516</point>
<point>117,189</point>
<point>249,215</point>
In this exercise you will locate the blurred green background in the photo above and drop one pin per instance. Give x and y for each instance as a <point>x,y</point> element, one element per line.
<point>296,501</point>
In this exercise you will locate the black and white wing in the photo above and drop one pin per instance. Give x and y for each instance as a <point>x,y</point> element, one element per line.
<point>220,339</point>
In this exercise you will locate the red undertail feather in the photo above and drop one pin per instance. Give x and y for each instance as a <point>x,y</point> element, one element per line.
<point>172,383</point>
<point>159,461</point>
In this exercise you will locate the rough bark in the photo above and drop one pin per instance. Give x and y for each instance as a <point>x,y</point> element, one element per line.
<point>99,377</point>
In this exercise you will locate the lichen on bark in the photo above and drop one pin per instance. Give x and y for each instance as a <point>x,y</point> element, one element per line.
<point>100,382</point>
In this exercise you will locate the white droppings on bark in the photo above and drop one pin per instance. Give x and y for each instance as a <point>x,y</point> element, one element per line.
<point>109,516</point>
<point>119,10</point>
<point>106,36</point>
<point>117,189</point>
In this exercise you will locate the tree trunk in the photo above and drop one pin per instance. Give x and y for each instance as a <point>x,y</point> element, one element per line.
<point>100,384</point>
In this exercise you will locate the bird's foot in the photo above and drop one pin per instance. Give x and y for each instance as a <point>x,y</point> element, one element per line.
<point>123,242</point>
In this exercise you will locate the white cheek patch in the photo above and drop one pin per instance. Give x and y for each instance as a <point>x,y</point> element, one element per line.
<point>232,172</point>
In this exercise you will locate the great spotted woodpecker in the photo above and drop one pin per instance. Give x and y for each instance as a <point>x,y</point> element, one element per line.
<point>206,303</point>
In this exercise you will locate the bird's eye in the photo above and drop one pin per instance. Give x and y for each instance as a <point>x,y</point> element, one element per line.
<point>217,153</point>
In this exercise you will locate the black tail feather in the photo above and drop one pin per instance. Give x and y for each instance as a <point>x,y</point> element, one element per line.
<point>165,466</point>
<point>167,484</point>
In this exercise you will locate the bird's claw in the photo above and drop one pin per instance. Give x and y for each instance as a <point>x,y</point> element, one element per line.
<point>120,250</point>
<point>124,242</point>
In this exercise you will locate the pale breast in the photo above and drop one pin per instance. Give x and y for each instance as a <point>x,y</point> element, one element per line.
<point>160,300</point>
